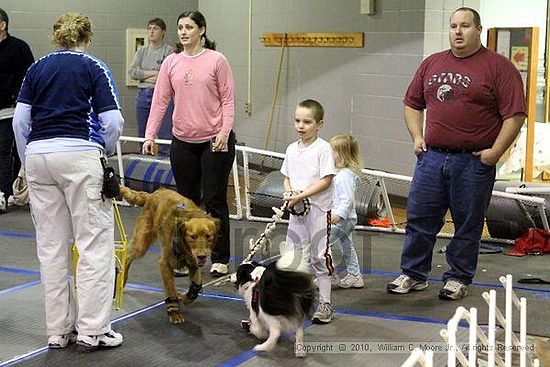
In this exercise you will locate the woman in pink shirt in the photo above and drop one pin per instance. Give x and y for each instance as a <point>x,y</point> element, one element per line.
<point>203,147</point>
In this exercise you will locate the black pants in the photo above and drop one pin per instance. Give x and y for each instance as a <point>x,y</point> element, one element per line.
<point>198,171</point>
<point>9,159</point>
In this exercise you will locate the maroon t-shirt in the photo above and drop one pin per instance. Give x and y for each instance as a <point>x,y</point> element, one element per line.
<point>466,99</point>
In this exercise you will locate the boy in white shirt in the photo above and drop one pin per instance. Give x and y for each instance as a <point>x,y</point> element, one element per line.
<point>308,169</point>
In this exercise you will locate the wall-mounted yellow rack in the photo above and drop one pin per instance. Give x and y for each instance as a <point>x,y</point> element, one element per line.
<point>327,39</point>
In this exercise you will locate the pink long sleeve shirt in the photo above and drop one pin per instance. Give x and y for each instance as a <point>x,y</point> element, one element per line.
<point>204,96</point>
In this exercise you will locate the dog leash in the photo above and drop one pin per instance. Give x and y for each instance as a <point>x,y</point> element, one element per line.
<point>262,243</point>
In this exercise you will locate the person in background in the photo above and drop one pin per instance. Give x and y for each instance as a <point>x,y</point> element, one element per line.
<point>67,117</point>
<point>15,59</point>
<point>308,168</point>
<point>343,217</point>
<point>475,108</point>
<point>144,69</point>
<point>203,144</point>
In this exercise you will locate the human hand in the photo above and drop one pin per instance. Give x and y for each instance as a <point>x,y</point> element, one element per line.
<point>419,145</point>
<point>220,143</point>
<point>292,198</point>
<point>148,147</point>
<point>334,218</point>
<point>488,157</point>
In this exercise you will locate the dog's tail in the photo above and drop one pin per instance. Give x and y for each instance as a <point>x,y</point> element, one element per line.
<point>133,197</point>
<point>291,273</point>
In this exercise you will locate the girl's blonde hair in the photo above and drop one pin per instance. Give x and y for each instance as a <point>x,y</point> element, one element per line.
<point>71,29</point>
<point>347,148</point>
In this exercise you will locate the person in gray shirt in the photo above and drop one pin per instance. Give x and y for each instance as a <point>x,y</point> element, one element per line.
<point>144,69</point>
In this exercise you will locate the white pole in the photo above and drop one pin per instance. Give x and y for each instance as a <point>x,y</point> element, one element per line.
<point>522,332</point>
<point>507,282</point>
<point>492,326</point>
<point>237,189</point>
<point>472,352</point>
<point>246,184</point>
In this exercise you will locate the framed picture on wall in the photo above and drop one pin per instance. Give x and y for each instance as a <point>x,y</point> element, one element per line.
<point>135,38</point>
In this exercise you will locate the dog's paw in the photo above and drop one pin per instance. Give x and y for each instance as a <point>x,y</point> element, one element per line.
<point>300,353</point>
<point>263,347</point>
<point>176,319</point>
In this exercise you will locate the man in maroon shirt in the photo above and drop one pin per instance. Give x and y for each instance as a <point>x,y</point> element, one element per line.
<point>475,107</point>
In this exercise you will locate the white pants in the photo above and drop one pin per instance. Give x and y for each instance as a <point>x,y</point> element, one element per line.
<point>311,233</point>
<point>66,203</point>
<point>311,230</point>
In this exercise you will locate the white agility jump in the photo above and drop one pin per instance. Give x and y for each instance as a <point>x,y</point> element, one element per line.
<point>478,341</point>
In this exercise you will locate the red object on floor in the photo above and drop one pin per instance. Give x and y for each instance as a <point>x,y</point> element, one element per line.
<point>534,241</point>
<point>382,222</point>
<point>245,325</point>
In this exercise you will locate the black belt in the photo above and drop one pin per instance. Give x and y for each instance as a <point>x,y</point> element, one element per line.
<point>454,151</point>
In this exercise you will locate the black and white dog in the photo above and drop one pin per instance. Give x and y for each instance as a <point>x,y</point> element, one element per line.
<point>279,297</point>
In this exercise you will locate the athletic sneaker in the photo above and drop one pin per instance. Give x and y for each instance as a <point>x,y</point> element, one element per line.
<point>108,340</point>
<point>352,281</point>
<point>453,290</point>
<point>219,270</point>
<point>323,315</point>
<point>2,203</point>
<point>180,272</point>
<point>61,341</point>
<point>404,284</point>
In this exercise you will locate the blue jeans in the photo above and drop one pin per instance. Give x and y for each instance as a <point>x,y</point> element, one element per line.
<point>441,181</point>
<point>9,159</point>
<point>144,99</point>
<point>340,236</point>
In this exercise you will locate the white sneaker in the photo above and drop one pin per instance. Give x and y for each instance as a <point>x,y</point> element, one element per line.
<point>108,340</point>
<point>352,281</point>
<point>323,315</point>
<point>219,270</point>
<point>2,203</point>
<point>404,284</point>
<point>61,341</point>
<point>453,290</point>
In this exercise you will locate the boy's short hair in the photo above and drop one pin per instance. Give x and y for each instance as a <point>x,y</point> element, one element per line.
<point>315,107</point>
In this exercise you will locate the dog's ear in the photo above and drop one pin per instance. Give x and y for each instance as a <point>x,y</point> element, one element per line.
<point>179,230</point>
<point>244,272</point>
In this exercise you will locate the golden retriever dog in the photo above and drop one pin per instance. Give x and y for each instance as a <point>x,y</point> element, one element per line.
<point>186,235</point>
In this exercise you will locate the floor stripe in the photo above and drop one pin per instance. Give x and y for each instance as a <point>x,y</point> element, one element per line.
<point>4,269</point>
<point>17,235</point>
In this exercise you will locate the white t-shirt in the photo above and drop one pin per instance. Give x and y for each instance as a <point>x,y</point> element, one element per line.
<point>305,166</point>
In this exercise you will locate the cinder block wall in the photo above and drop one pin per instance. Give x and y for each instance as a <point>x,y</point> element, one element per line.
<point>32,21</point>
